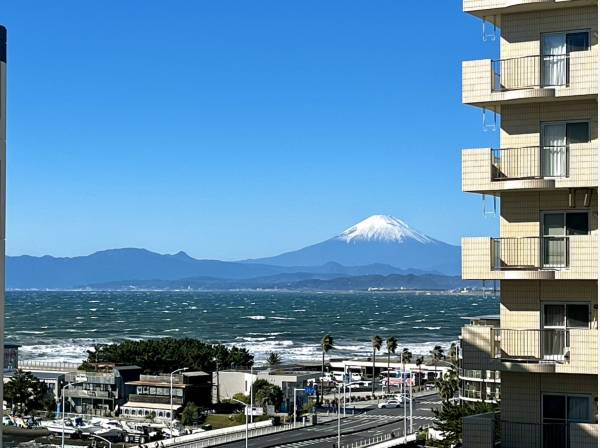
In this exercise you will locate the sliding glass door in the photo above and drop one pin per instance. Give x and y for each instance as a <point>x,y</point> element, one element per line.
<point>557,137</point>
<point>556,49</point>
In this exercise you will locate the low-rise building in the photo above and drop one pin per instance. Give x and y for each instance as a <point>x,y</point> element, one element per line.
<point>152,395</point>
<point>478,371</point>
<point>99,392</point>
<point>230,382</point>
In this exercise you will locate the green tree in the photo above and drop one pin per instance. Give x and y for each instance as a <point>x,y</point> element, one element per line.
<point>274,360</point>
<point>167,354</point>
<point>376,343</point>
<point>24,393</point>
<point>419,362</point>
<point>326,346</point>
<point>391,344</point>
<point>406,357</point>
<point>453,353</point>
<point>437,354</point>
<point>266,393</point>
<point>448,419</point>
<point>190,414</point>
<point>448,385</point>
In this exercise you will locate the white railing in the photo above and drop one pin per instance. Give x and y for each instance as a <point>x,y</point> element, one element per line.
<point>369,442</point>
<point>240,434</point>
<point>48,365</point>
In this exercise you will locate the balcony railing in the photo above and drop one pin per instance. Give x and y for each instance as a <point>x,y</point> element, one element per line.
<point>470,373</point>
<point>550,345</point>
<point>471,393</point>
<point>530,162</point>
<point>487,430</point>
<point>548,434</point>
<point>549,70</point>
<point>530,253</point>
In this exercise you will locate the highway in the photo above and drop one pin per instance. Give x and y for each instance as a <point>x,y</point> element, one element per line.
<point>372,423</point>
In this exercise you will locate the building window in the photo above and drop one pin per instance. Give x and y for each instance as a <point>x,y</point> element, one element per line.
<point>566,315</point>
<point>556,138</point>
<point>556,48</point>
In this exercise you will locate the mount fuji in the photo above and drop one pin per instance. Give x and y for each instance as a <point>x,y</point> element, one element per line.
<point>379,239</point>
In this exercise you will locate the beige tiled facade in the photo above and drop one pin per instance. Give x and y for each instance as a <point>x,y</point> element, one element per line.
<point>546,345</point>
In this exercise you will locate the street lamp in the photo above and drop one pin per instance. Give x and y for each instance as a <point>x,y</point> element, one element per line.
<point>102,438</point>
<point>183,369</point>
<point>252,392</point>
<point>83,380</point>
<point>245,412</point>
<point>339,419</point>
<point>216,361</point>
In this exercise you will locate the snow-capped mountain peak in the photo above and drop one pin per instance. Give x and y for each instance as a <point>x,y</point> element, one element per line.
<point>382,228</point>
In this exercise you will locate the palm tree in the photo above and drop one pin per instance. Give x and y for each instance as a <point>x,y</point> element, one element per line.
<point>376,343</point>
<point>437,354</point>
<point>326,345</point>
<point>273,360</point>
<point>453,353</point>
<point>406,357</point>
<point>391,345</point>
<point>418,362</point>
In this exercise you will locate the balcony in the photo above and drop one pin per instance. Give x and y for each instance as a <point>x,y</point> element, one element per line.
<point>486,8</point>
<point>488,431</point>
<point>84,393</point>
<point>530,258</point>
<point>547,350</point>
<point>492,171</point>
<point>527,79</point>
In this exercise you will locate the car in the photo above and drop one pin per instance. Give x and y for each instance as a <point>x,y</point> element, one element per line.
<point>390,404</point>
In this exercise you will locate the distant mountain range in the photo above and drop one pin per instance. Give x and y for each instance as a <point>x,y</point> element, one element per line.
<point>378,239</point>
<point>379,249</point>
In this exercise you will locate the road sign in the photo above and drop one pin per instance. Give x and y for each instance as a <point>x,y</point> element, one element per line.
<point>254,411</point>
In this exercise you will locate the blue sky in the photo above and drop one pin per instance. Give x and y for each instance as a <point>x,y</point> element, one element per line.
<point>234,129</point>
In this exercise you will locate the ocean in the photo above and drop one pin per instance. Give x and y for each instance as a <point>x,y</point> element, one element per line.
<point>61,326</point>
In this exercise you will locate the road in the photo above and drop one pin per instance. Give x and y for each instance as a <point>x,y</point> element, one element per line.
<point>372,423</point>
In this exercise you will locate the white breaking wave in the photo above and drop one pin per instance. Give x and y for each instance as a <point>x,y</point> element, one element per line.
<point>383,228</point>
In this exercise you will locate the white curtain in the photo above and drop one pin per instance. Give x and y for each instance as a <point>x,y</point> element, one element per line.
<point>554,60</point>
<point>554,150</point>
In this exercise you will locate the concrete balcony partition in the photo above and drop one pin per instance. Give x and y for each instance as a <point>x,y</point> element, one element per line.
<point>534,258</point>
<point>533,78</point>
<point>486,8</point>
<point>492,171</point>
<point>479,431</point>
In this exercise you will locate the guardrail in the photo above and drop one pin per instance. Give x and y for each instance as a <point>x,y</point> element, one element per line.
<point>530,253</point>
<point>368,442</point>
<point>47,365</point>
<point>530,162</point>
<point>239,434</point>
<point>548,70</point>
